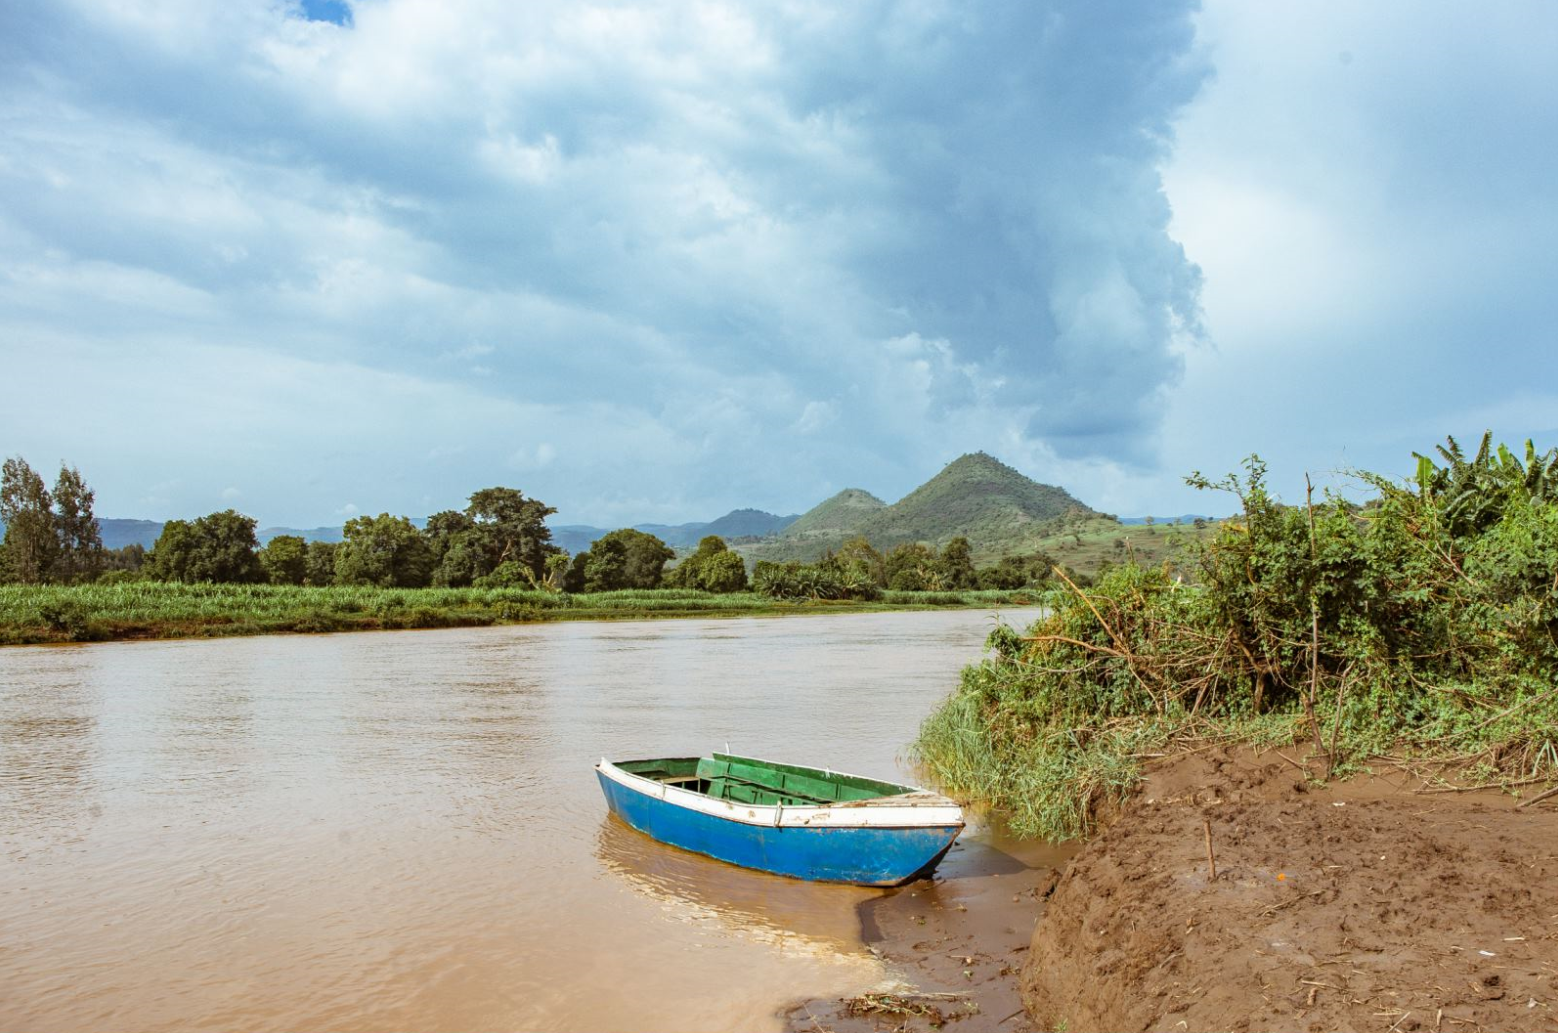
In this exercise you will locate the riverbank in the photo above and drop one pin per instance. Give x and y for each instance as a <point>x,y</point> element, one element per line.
<point>1372,904</point>
<point>159,610</point>
<point>953,945</point>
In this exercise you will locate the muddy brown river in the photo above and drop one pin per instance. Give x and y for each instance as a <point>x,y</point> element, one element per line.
<point>402,831</point>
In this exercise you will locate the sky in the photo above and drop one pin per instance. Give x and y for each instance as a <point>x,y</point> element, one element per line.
<point>653,261</point>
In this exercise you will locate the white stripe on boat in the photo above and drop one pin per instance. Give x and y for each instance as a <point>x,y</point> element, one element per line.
<point>918,809</point>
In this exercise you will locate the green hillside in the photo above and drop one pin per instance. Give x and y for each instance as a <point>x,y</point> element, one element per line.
<point>843,514</point>
<point>976,496</point>
<point>998,509</point>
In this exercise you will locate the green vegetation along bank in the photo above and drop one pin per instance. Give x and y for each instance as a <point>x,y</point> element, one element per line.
<point>1421,626</point>
<point>151,609</point>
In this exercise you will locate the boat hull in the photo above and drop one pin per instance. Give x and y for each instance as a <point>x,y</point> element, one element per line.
<point>871,855</point>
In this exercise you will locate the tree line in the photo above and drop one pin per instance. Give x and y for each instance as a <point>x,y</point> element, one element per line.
<point>859,571</point>
<point>499,540</point>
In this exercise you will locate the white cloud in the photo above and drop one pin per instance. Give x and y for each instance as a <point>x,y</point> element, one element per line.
<point>1372,194</point>
<point>611,248</point>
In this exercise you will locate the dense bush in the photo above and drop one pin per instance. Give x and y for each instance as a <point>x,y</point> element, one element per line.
<point>713,567</point>
<point>825,580</point>
<point>1426,620</point>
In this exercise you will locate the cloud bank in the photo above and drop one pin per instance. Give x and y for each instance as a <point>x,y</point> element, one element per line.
<point>643,260</point>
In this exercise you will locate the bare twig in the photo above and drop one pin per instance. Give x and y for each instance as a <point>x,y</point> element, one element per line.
<point>1539,797</point>
<point>1486,785</point>
<point>1336,726</point>
<point>1211,858</point>
<point>1125,654</point>
<point>1314,617</point>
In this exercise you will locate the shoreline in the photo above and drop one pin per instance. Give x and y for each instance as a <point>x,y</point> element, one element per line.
<point>1364,904</point>
<point>953,945</point>
<point>72,621</point>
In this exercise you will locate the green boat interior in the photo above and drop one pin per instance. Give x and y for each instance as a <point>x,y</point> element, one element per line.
<point>744,780</point>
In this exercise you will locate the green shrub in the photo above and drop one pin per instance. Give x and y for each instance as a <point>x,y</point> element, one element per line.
<point>1425,621</point>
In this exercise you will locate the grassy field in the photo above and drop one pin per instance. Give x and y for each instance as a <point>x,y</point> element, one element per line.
<point>94,613</point>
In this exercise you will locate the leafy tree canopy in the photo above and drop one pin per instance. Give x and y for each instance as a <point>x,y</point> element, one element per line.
<point>319,565</point>
<point>216,548</point>
<point>385,550</point>
<point>712,568</point>
<point>31,541</point>
<point>625,558</point>
<point>285,560</point>
<point>512,527</point>
<point>80,556</point>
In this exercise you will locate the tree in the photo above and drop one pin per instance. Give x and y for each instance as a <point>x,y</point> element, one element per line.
<point>387,551</point>
<point>219,548</point>
<point>605,565</point>
<point>512,527</point>
<point>285,560</point>
<point>319,564</point>
<point>1018,572</point>
<point>859,553</point>
<point>31,539</point>
<point>573,578</point>
<point>712,568</point>
<point>462,561</point>
<point>80,556</point>
<point>723,572</point>
<point>956,564</point>
<point>622,559</point>
<point>128,559</point>
<point>173,553</point>
<point>912,568</point>
<point>456,547</point>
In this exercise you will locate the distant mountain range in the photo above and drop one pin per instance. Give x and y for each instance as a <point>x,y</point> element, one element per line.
<point>739,523</point>
<point>1183,518</point>
<point>1001,512</point>
<point>118,532</point>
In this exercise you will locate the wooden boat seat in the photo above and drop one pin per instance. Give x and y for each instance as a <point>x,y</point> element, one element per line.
<point>748,784</point>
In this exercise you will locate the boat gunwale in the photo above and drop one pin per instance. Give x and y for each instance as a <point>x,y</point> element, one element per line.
<point>931,810</point>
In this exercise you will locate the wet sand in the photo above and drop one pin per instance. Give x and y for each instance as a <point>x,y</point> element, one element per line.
<point>1365,906</point>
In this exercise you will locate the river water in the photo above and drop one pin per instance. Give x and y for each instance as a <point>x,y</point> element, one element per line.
<point>402,830</point>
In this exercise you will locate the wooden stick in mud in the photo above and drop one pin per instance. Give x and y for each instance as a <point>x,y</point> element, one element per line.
<point>1539,797</point>
<point>1314,615</point>
<point>1336,726</point>
<point>1211,858</point>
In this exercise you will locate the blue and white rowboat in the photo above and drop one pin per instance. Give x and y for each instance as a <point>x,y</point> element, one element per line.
<point>807,823</point>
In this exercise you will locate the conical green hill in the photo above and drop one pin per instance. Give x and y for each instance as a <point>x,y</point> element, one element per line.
<point>976,496</point>
<point>842,514</point>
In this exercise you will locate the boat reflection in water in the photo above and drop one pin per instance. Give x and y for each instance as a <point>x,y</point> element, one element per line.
<point>797,918</point>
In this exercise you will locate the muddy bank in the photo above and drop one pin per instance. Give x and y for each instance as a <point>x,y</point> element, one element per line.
<point>1369,905</point>
<point>954,946</point>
